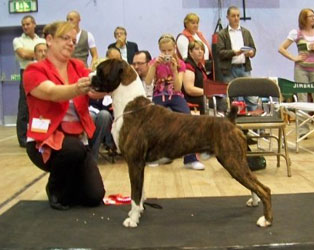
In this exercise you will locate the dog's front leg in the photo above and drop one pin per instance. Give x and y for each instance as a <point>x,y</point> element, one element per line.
<point>136,174</point>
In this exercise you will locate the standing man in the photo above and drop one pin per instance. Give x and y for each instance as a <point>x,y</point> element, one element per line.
<point>127,49</point>
<point>235,48</point>
<point>85,41</point>
<point>140,63</point>
<point>24,51</point>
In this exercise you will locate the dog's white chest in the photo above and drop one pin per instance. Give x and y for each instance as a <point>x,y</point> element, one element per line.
<point>120,98</point>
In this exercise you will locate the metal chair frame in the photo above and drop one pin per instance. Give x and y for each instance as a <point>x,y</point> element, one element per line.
<point>262,87</point>
<point>301,110</point>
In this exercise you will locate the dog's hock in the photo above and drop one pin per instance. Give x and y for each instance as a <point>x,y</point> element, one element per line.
<point>262,222</point>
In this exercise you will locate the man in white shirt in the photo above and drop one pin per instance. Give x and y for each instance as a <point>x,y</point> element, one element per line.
<point>24,51</point>
<point>235,47</point>
<point>85,41</point>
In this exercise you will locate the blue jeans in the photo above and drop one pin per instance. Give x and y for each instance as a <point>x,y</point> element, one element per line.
<point>239,71</point>
<point>177,104</point>
<point>103,121</point>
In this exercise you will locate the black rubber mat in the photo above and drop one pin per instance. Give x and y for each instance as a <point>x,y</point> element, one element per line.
<point>189,223</point>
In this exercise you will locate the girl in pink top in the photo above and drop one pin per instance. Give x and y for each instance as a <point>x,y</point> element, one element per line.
<point>166,73</point>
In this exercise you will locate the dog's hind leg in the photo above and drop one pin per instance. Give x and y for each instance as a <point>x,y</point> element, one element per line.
<point>241,172</point>
<point>136,173</point>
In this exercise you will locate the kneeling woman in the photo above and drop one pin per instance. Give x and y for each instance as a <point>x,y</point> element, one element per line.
<point>57,91</point>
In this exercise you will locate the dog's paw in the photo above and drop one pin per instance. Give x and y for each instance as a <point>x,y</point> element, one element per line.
<point>252,203</point>
<point>128,222</point>
<point>262,222</point>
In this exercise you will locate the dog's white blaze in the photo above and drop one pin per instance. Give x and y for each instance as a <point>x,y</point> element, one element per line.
<point>253,201</point>
<point>262,222</point>
<point>134,216</point>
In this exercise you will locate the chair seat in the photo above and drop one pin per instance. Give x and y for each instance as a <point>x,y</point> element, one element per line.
<point>258,119</point>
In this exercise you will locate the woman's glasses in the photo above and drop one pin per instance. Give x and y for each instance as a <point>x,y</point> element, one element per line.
<point>67,39</point>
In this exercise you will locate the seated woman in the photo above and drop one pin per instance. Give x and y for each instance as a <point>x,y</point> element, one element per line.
<point>194,77</point>
<point>59,122</point>
<point>166,72</point>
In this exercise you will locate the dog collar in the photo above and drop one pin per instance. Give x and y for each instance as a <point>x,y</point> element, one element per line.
<point>132,111</point>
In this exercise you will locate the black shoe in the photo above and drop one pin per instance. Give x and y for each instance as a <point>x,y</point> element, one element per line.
<point>53,201</point>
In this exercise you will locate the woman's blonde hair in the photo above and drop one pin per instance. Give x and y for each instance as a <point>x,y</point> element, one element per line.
<point>194,43</point>
<point>57,29</point>
<point>191,17</point>
<point>303,17</point>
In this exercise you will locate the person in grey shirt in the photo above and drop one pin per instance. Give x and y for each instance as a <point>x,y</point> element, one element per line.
<point>85,41</point>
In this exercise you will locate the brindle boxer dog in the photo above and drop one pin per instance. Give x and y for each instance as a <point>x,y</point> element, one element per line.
<point>144,132</point>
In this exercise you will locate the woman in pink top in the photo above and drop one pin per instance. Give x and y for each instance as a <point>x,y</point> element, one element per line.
<point>304,60</point>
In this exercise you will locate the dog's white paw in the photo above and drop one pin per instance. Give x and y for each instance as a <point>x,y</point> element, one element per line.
<point>262,222</point>
<point>128,222</point>
<point>253,201</point>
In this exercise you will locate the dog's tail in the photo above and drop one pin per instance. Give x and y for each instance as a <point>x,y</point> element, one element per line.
<point>233,113</point>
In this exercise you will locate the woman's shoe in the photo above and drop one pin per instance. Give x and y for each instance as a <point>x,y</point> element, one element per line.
<point>53,201</point>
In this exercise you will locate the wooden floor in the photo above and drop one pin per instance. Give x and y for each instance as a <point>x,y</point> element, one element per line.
<point>21,180</point>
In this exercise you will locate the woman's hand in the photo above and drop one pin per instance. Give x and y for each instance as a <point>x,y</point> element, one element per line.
<point>311,46</point>
<point>83,85</point>
<point>300,58</point>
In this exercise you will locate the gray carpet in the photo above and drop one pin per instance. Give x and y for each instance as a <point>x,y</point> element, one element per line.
<point>193,223</point>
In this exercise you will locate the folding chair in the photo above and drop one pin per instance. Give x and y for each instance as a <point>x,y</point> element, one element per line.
<point>212,90</point>
<point>302,110</point>
<point>264,88</point>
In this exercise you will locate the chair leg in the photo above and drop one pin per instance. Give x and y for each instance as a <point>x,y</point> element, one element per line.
<point>296,132</point>
<point>287,158</point>
<point>279,146</point>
